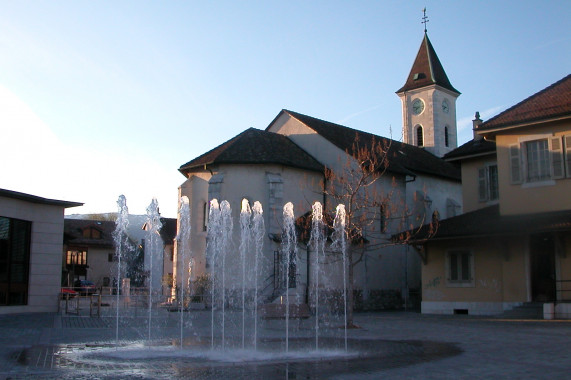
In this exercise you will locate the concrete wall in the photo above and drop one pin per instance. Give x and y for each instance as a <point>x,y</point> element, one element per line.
<point>45,254</point>
<point>300,187</point>
<point>100,266</point>
<point>470,184</point>
<point>500,277</point>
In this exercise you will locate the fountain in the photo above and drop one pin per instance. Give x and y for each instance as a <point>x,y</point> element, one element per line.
<point>289,248</point>
<point>245,240</point>
<point>340,242</point>
<point>183,238</point>
<point>121,240</point>
<point>312,350</point>
<point>317,242</point>
<point>153,228</point>
<point>258,236</point>
<point>212,252</point>
<point>219,245</point>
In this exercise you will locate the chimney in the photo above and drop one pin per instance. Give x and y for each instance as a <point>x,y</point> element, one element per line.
<point>475,124</point>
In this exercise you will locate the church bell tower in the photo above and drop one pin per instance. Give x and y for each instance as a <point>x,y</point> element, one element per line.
<point>429,103</point>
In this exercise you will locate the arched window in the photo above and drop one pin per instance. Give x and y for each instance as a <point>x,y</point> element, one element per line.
<point>419,136</point>
<point>446,141</point>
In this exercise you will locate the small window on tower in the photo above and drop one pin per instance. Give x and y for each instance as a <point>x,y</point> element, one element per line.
<point>446,140</point>
<point>419,136</point>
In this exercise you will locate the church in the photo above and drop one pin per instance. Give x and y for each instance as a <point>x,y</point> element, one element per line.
<point>289,161</point>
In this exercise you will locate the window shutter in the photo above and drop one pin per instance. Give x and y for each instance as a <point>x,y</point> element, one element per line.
<point>482,187</point>
<point>515,164</point>
<point>568,154</point>
<point>557,158</point>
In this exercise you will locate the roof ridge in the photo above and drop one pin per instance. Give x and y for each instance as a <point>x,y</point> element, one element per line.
<point>358,131</point>
<point>430,59</point>
<point>226,143</point>
<point>407,158</point>
<point>256,146</point>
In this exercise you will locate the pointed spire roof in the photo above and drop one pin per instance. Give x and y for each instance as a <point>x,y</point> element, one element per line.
<point>427,70</point>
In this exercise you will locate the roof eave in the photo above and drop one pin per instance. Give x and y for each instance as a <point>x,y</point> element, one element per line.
<point>465,157</point>
<point>36,199</point>
<point>188,169</point>
<point>527,123</point>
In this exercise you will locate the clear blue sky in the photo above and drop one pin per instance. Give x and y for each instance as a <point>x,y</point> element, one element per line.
<point>102,98</point>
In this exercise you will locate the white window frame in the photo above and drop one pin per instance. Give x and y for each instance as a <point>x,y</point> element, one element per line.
<point>519,166</point>
<point>460,283</point>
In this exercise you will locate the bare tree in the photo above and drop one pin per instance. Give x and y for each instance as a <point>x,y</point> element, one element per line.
<point>372,201</point>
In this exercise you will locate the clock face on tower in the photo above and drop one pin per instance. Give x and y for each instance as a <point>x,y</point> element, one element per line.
<point>445,106</point>
<point>417,106</point>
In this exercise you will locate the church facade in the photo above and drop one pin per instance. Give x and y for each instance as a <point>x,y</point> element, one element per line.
<point>288,162</point>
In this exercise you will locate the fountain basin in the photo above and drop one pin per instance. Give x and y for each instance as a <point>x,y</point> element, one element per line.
<point>165,359</point>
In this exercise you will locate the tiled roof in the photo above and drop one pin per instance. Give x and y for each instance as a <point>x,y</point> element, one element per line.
<point>471,148</point>
<point>73,232</point>
<point>551,102</point>
<point>254,146</point>
<point>426,70</point>
<point>403,158</point>
<point>488,222</point>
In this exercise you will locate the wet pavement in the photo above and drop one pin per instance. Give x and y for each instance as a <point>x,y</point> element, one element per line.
<point>387,345</point>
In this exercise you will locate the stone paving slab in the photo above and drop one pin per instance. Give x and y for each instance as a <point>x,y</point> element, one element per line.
<point>35,346</point>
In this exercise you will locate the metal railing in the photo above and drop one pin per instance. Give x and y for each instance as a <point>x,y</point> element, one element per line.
<point>73,303</point>
<point>105,300</point>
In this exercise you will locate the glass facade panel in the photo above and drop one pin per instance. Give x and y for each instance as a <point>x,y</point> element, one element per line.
<point>14,261</point>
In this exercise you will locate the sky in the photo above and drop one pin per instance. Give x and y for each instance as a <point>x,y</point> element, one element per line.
<point>103,98</point>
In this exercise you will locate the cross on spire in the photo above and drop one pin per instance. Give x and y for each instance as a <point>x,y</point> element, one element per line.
<point>424,19</point>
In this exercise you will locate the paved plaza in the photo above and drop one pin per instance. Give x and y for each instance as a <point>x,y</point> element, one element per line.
<point>408,345</point>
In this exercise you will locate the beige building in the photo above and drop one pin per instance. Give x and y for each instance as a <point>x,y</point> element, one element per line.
<point>89,254</point>
<point>512,247</point>
<point>31,240</point>
<point>286,163</point>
